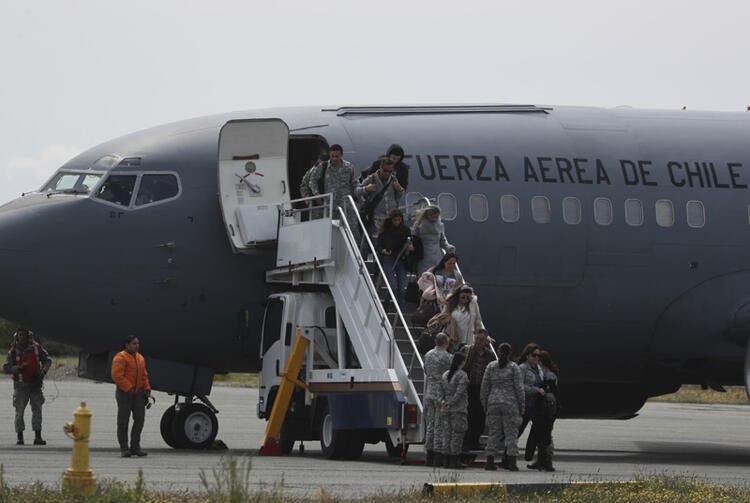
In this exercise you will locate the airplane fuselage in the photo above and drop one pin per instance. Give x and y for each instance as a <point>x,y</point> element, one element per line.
<point>617,239</point>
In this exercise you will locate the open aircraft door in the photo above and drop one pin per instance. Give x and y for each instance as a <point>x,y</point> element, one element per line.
<point>252,179</point>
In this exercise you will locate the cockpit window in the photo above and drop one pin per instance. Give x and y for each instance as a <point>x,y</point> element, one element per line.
<point>71,183</point>
<point>155,188</point>
<point>117,189</point>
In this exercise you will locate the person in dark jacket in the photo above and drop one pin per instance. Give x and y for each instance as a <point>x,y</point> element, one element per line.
<point>544,419</point>
<point>394,244</point>
<point>534,377</point>
<point>28,362</point>
<point>396,154</point>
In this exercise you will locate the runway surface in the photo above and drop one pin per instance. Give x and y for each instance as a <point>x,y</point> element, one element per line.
<point>706,442</point>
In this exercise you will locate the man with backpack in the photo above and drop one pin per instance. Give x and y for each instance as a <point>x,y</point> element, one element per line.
<point>28,362</point>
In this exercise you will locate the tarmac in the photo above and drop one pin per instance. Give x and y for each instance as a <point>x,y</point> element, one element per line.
<point>703,442</point>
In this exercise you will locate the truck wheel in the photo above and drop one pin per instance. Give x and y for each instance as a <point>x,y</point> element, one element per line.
<point>332,442</point>
<point>195,426</point>
<point>354,445</point>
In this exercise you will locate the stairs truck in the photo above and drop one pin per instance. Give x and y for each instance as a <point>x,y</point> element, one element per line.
<point>339,363</point>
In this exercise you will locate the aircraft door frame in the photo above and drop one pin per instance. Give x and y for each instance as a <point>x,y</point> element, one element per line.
<point>253,179</point>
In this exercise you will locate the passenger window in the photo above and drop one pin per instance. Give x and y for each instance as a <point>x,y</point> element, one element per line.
<point>572,210</point>
<point>155,188</point>
<point>478,207</point>
<point>117,189</point>
<point>696,214</point>
<point>664,213</point>
<point>447,203</point>
<point>603,211</point>
<point>510,209</point>
<point>540,210</point>
<point>633,212</point>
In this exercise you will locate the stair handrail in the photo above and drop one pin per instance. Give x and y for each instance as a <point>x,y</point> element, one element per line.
<point>350,201</point>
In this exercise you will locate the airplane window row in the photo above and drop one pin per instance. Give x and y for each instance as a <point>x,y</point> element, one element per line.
<point>148,188</point>
<point>603,210</point>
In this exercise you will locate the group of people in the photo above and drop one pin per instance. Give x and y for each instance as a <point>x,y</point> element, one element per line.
<point>472,388</point>
<point>379,192</point>
<point>28,363</point>
<point>469,385</point>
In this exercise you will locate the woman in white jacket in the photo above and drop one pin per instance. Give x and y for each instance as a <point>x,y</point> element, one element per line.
<point>465,318</point>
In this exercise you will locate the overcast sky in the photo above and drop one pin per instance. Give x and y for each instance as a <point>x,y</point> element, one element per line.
<point>76,73</point>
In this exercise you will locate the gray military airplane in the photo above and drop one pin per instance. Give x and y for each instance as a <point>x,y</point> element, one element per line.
<point>616,238</point>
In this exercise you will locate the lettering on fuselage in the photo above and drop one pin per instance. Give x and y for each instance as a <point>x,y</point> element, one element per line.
<point>580,170</point>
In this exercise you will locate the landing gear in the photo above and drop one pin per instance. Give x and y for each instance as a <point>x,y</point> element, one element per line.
<point>189,425</point>
<point>166,427</point>
<point>195,426</point>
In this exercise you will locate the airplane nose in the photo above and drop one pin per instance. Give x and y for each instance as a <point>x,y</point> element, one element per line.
<point>20,254</point>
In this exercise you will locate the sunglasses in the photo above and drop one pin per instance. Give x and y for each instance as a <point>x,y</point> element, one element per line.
<point>535,355</point>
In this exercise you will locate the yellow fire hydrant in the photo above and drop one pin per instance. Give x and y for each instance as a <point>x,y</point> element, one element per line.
<point>79,479</point>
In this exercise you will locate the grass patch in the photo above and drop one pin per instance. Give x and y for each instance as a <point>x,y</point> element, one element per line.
<point>692,393</point>
<point>237,379</point>
<point>230,482</point>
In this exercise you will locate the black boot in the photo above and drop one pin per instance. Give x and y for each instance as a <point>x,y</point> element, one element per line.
<point>20,438</point>
<point>545,459</point>
<point>456,462</point>
<point>490,464</point>
<point>438,459</point>
<point>38,438</point>
<point>429,458</point>
<point>510,464</point>
<point>504,461</point>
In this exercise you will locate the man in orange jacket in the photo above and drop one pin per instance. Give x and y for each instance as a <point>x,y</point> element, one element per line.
<point>133,390</point>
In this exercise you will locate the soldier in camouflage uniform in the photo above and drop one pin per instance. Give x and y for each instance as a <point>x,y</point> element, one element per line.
<point>502,396</point>
<point>338,180</point>
<point>436,362</point>
<point>455,410</point>
<point>28,362</point>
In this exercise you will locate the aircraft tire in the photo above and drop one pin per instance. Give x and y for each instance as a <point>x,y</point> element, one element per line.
<point>332,442</point>
<point>166,427</point>
<point>195,426</point>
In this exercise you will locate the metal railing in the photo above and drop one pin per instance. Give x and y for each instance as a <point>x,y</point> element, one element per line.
<point>369,248</point>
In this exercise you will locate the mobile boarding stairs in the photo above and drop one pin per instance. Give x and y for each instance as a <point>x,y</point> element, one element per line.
<point>321,249</point>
